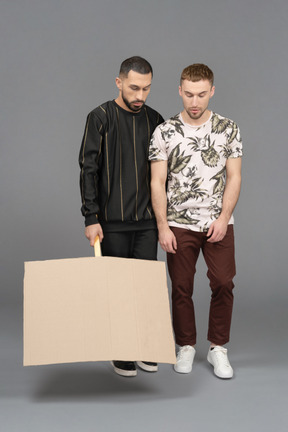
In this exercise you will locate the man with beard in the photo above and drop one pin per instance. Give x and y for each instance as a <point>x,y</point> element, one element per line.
<point>199,152</point>
<point>115,175</point>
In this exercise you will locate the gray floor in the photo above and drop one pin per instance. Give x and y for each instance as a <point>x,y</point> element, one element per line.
<point>90,397</point>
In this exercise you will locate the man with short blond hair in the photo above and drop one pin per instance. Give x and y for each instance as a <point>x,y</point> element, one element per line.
<point>199,152</point>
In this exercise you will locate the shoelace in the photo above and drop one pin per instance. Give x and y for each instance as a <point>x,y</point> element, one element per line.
<point>221,356</point>
<point>183,352</point>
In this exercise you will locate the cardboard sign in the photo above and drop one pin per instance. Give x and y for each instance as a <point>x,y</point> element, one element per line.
<point>93,309</point>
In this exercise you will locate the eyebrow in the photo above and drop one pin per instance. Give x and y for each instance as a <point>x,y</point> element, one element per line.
<point>198,94</point>
<point>135,85</point>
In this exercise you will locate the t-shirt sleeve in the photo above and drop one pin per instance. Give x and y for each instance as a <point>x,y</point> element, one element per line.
<point>234,142</point>
<point>157,148</point>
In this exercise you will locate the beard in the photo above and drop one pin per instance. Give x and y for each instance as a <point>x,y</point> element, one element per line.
<point>195,116</point>
<point>130,104</point>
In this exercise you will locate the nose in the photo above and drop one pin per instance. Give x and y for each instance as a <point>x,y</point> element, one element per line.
<point>139,95</point>
<point>195,101</point>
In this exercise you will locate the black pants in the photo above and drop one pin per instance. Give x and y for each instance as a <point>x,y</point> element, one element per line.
<point>140,244</point>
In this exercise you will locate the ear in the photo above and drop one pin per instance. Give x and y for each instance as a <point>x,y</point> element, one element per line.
<point>212,92</point>
<point>180,91</point>
<point>118,82</point>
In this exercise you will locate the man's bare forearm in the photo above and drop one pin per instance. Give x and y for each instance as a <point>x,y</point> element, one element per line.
<point>159,203</point>
<point>167,239</point>
<point>232,188</point>
<point>218,228</point>
<point>230,197</point>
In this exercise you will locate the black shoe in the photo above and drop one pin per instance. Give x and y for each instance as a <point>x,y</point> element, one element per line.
<point>124,368</point>
<point>148,366</point>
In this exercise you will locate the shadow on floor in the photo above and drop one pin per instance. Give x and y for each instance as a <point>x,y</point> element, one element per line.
<point>99,382</point>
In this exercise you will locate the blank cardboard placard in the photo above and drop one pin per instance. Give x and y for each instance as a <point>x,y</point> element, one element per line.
<point>95,309</point>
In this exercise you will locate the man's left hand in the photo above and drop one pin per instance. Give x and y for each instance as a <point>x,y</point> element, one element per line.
<point>217,231</point>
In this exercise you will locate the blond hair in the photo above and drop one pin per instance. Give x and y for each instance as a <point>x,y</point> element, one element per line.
<point>197,72</point>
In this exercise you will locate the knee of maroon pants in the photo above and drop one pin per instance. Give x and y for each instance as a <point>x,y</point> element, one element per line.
<point>221,304</point>
<point>221,279</point>
<point>181,275</point>
<point>182,291</point>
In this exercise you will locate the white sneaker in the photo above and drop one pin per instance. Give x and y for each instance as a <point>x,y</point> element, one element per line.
<point>219,359</point>
<point>184,360</point>
<point>147,366</point>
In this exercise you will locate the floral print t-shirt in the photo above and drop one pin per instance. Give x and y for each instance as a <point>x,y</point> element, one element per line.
<point>196,158</point>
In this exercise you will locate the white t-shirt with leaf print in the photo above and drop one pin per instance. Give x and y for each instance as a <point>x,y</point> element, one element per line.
<point>196,167</point>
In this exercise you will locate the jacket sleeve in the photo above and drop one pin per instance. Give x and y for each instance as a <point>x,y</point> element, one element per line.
<point>89,159</point>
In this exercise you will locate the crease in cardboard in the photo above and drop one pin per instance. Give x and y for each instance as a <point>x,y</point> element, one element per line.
<point>135,285</point>
<point>109,309</point>
<point>83,322</point>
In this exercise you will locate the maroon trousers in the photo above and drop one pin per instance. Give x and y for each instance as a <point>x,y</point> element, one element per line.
<point>220,260</point>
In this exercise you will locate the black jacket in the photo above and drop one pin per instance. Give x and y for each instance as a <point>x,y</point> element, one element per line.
<point>115,171</point>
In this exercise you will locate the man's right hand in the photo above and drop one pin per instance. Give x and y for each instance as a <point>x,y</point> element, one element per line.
<point>92,231</point>
<point>167,240</point>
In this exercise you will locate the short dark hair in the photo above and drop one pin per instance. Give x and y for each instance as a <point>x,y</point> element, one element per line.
<point>197,72</point>
<point>136,64</point>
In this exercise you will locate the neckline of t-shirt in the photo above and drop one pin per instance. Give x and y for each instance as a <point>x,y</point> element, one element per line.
<point>130,113</point>
<point>196,126</point>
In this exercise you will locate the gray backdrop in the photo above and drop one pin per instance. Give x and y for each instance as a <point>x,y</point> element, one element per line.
<point>59,60</point>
